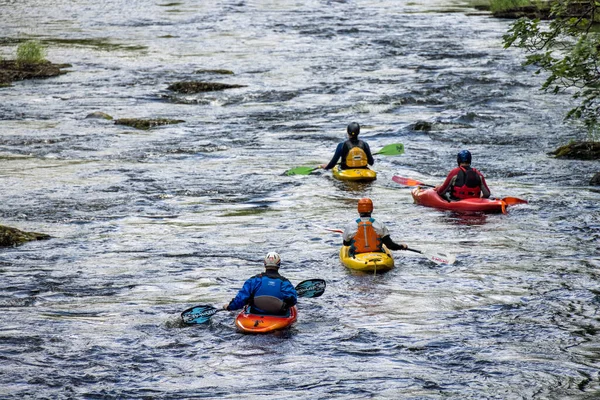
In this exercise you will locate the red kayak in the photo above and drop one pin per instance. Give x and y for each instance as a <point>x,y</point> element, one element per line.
<point>430,198</point>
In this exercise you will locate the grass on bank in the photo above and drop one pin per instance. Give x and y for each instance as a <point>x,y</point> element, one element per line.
<point>30,52</point>
<point>503,5</point>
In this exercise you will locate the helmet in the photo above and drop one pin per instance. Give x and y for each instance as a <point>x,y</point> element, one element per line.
<point>272,259</point>
<point>365,205</point>
<point>353,129</point>
<point>464,156</point>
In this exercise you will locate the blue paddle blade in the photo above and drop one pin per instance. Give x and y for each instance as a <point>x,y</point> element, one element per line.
<point>311,288</point>
<point>198,314</point>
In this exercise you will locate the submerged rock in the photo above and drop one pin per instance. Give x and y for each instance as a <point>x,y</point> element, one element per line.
<point>99,115</point>
<point>595,181</point>
<point>579,151</point>
<point>198,87</point>
<point>421,126</point>
<point>146,124</point>
<point>14,237</point>
<point>214,71</point>
<point>11,71</point>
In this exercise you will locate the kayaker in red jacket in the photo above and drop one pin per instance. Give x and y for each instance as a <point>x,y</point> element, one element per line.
<point>464,182</point>
<point>354,153</point>
<point>365,235</point>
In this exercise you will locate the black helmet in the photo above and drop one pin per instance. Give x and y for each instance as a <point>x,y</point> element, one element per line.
<point>353,129</point>
<point>464,156</point>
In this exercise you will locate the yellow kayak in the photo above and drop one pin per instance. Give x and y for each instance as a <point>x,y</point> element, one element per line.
<point>354,174</point>
<point>367,262</point>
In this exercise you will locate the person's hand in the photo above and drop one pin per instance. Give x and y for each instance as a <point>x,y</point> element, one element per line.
<point>225,307</point>
<point>322,166</point>
<point>404,247</point>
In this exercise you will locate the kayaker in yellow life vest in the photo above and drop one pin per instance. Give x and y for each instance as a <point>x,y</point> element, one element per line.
<point>354,153</point>
<point>365,235</point>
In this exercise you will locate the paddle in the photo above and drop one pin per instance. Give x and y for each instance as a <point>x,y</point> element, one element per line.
<point>409,182</point>
<point>438,258</point>
<point>310,288</point>
<point>394,149</point>
<point>510,201</point>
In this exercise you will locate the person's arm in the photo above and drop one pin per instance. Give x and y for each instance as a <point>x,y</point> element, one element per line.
<point>336,157</point>
<point>370,158</point>
<point>349,233</point>
<point>485,190</point>
<point>442,189</point>
<point>390,244</point>
<point>242,297</point>
<point>290,297</point>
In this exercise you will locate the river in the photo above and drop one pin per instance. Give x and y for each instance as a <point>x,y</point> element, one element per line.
<point>148,223</point>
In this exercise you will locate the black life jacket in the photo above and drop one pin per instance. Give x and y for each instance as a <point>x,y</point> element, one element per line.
<point>467,184</point>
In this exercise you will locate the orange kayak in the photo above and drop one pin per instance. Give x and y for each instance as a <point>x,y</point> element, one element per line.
<point>430,198</point>
<point>255,323</point>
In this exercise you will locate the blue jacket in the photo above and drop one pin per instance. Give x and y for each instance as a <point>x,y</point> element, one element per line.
<point>269,283</point>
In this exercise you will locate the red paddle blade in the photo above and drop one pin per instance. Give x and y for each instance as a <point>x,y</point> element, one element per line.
<point>407,181</point>
<point>511,201</point>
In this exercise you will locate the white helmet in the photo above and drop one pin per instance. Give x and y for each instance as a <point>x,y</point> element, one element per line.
<point>272,259</point>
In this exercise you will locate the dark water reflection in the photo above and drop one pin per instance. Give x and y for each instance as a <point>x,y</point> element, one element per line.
<point>148,223</point>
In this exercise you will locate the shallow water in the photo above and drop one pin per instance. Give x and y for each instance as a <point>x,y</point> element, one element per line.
<point>148,223</point>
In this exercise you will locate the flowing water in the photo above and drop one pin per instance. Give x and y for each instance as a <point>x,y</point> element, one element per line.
<point>148,223</point>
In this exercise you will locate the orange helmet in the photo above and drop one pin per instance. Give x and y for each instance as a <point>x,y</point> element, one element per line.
<point>365,205</point>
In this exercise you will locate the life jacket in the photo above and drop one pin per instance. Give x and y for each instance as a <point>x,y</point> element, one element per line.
<point>268,296</point>
<point>467,184</point>
<point>366,239</point>
<point>354,155</point>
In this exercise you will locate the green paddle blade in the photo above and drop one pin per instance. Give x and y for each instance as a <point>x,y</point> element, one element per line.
<point>300,171</point>
<point>394,149</point>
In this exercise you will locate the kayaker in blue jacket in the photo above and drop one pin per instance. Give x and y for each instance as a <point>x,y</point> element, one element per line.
<point>354,153</point>
<point>266,293</point>
<point>464,182</point>
<point>365,235</point>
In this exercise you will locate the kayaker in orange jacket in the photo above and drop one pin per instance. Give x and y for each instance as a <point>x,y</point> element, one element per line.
<point>365,235</point>
<point>354,153</point>
<point>464,182</point>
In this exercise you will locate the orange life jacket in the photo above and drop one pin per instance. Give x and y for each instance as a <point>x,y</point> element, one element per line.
<point>366,239</point>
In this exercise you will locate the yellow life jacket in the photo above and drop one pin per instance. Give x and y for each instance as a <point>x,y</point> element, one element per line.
<point>356,158</point>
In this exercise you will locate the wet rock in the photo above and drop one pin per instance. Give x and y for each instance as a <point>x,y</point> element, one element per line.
<point>188,87</point>
<point>531,12</point>
<point>146,124</point>
<point>422,126</point>
<point>14,237</point>
<point>99,115</point>
<point>579,151</point>
<point>595,181</point>
<point>10,71</point>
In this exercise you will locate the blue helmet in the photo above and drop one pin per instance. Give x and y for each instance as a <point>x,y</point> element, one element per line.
<point>353,129</point>
<point>464,156</point>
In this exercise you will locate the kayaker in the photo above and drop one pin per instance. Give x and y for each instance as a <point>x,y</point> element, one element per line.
<point>268,292</point>
<point>463,182</point>
<point>365,235</point>
<point>354,153</point>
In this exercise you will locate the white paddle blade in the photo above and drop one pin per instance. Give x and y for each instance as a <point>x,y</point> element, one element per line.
<point>440,258</point>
